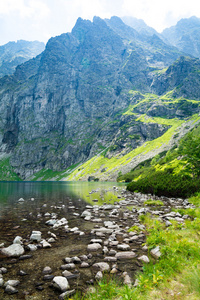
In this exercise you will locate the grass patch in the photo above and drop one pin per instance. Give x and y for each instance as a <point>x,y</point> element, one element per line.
<point>154,202</point>
<point>176,275</point>
<point>7,172</point>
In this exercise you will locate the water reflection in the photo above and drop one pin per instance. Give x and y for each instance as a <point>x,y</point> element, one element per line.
<point>10,192</point>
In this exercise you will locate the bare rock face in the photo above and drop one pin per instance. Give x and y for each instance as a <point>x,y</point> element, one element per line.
<point>14,250</point>
<point>54,102</point>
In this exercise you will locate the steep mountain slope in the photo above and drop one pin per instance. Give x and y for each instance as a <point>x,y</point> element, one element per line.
<point>185,35</point>
<point>139,25</point>
<point>87,94</point>
<point>13,54</point>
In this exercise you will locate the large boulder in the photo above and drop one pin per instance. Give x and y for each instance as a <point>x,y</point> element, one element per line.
<point>14,250</point>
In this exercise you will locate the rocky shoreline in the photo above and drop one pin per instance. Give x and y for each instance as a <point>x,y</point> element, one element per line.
<point>60,249</point>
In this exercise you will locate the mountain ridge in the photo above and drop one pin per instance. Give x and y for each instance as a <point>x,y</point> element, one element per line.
<point>87,93</point>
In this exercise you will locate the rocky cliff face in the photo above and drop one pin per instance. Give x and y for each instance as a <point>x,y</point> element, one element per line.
<point>185,35</point>
<point>13,54</point>
<point>67,104</point>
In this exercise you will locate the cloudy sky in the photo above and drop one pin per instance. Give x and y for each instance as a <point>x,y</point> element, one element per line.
<point>42,19</point>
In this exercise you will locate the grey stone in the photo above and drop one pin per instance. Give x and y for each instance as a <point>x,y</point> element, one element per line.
<point>32,247</point>
<point>66,294</point>
<point>70,266</point>
<point>156,252</point>
<point>110,259</point>
<point>99,275</point>
<point>125,255</point>
<point>94,247</point>
<point>47,270</point>
<point>67,274</point>
<point>144,258</point>
<point>10,290</point>
<point>123,247</point>
<point>84,265</point>
<point>12,282</point>
<point>101,266</point>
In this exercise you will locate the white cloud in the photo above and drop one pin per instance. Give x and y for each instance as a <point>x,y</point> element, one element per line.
<point>41,19</point>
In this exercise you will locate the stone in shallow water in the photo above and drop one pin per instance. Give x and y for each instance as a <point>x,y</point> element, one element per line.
<point>125,255</point>
<point>12,282</point>
<point>32,247</point>
<point>123,247</point>
<point>36,236</point>
<point>84,265</point>
<point>45,244</point>
<point>61,283</point>
<point>47,270</point>
<point>94,247</point>
<point>1,282</point>
<point>67,274</point>
<point>110,259</point>
<point>101,266</point>
<point>13,250</point>
<point>10,290</point>
<point>68,267</point>
<point>66,294</point>
<point>18,240</point>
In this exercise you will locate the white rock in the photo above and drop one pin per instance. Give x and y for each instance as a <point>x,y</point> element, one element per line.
<point>156,252</point>
<point>74,229</point>
<point>94,247</point>
<point>51,240</point>
<point>127,278</point>
<point>1,282</point>
<point>32,247</point>
<point>36,236</point>
<point>13,250</point>
<point>21,200</point>
<point>18,240</point>
<point>86,213</point>
<point>12,282</point>
<point>144,258</point>
<point>45,244</point>
<point>99,275</point>
<point>96,241</point>
<point>61,283</point>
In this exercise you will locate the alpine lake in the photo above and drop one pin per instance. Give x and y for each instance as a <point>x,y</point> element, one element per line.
<point>27,206</point>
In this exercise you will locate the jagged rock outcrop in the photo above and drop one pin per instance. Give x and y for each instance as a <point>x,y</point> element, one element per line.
<point>185,35</point>
<point>13,54</point>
